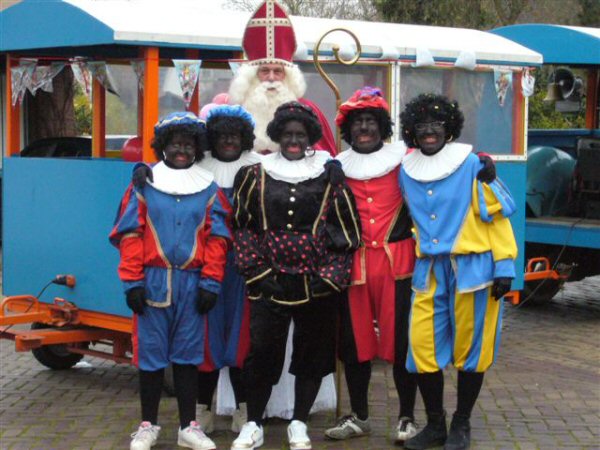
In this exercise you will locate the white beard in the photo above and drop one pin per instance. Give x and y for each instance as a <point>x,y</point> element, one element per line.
<point>262,102</point>
<point>247,90</point>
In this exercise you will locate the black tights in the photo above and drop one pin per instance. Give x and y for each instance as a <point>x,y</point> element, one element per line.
<point>358,376</point>
<point>184,379</point>
<point>406,387</point>
<point>469,386</point>
<point>305,393</point>
<point>207,384</point>
<point>431,386</point>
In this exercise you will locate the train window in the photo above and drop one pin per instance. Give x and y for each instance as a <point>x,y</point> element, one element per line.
<point>121,110</point>
<point>212,81</point>
<point>347,78</point>
<point>489,125</point>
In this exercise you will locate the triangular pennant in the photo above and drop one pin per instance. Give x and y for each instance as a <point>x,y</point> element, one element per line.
<point>502,82</point>
<point>82,76</point>
<point>527,83</point>
<point>21,79</point>
<point>234,66</point>
<point>43,76</point>
<point>101,72</point>
<point>139,67</point>
<point>188,71</point>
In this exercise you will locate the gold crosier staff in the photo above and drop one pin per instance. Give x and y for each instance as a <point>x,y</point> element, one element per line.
<point>338,143</point>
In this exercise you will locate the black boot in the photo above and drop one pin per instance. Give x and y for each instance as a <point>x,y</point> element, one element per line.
<point>459,437</point>
<point>433,435</point>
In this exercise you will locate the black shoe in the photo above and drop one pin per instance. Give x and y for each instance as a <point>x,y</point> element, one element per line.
<point>433,435</point>
<point>459,437</point>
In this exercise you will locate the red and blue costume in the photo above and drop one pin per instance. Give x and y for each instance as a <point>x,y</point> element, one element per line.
<point>172,245</point>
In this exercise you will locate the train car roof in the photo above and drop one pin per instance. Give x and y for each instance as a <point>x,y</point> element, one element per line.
<point>559,44</point>
<point>34,25</point>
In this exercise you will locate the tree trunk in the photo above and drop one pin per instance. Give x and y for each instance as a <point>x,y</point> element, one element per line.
<point>52,114</point>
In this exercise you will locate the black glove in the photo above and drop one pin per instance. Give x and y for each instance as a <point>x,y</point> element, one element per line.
<point>140,174</point>
<point>335,174</point>
<point>500,287</point>
<point>269,287</point>
<point>320,288</point>
<point>487,174</point>
<point>205,301</point>
<point>136,300</point>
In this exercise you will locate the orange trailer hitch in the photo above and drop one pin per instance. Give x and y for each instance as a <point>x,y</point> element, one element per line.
<point>62,323</point>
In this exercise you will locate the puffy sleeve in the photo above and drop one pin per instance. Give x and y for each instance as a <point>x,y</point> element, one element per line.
<point>494,204</point>
<point>127,236</point>
<point>342,237</point>
<point>249,257</point>
<point>217,228</point>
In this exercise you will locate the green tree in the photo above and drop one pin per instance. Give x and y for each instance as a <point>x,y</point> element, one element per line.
<point>543,114</point>
<point>83,112</point>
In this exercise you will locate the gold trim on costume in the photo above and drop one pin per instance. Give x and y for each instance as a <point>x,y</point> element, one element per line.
<point>169,299</point>
<point>262,198</point>
<point>354,218</point>
<point>362,254</point>
<point>259,276</point>
<point>337,211</point>
<point>196,232</point>
<point>321,209</point>
<point>237,196</point>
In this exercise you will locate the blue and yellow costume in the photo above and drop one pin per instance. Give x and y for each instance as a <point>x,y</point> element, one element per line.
<point>464,241</point>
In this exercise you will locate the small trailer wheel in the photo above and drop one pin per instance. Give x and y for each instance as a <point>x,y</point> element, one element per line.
<point>55,357</point>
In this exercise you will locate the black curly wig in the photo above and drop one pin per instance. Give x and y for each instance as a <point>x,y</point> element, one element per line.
<point>383,119</point>
<point>164,136</point>
<point>228,124</point>
<point>432,106</point>
<point>295,111</point>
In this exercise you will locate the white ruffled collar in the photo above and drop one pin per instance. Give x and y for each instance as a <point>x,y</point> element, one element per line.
<point>359,166</point>
<point>444,163</point>
<point>224,172</point>
<point>307,168</point>
<point>180,181</point>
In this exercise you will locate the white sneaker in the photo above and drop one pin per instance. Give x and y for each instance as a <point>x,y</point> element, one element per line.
<point>406,429</point>
<point>239,418</point>
<point>205,418</point>
<point>297,436</point>
<point>251,436</point>
<point>145,436</point>
<point>193,437</point>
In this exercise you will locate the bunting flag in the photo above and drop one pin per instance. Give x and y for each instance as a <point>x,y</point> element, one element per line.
<point>43,76</point>
<point>188,71</point>
<point>234,66</point>
<point>82,75</point>
<point>502,82</point>
<point>527,83</point>
<point>139,67</point>
<point>21,79</point>
<point>101,72</point>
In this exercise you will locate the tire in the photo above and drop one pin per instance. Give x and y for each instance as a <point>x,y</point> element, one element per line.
<point>543,291</point>
<point>55,357</point>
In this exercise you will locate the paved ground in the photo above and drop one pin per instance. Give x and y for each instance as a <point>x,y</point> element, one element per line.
<point>543,393</point>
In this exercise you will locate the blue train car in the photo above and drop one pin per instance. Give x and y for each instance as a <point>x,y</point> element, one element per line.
<point>563,168</point>
<point>57,212</point>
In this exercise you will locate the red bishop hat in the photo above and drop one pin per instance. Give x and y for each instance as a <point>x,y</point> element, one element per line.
<point>269,37</point>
